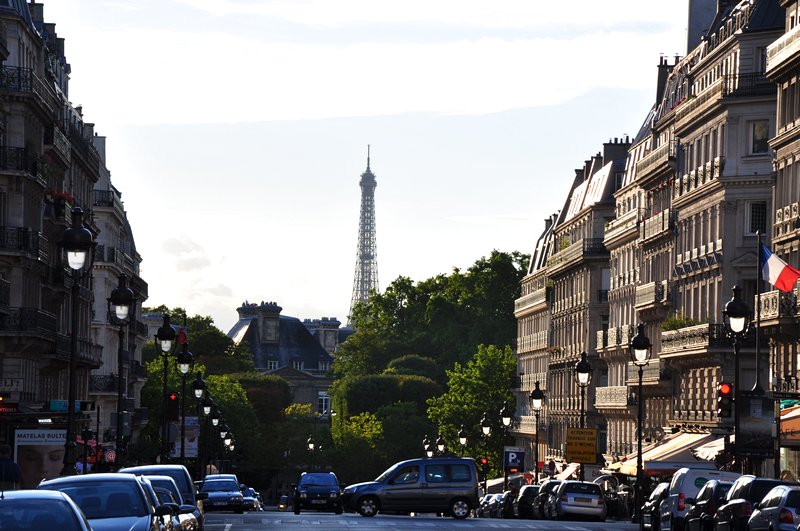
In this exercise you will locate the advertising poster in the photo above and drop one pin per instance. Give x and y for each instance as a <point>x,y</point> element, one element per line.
<point>192,438</point>
<point>39,454</point>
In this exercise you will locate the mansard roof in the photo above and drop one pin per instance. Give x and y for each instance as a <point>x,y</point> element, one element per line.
<point>544,246</point>
<point>19,8</point>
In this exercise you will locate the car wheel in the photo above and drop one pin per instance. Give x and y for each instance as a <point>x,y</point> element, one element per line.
<point>338,509</point>
<point>296,508</point>
<point>459,508</point>
<point>368,506</point>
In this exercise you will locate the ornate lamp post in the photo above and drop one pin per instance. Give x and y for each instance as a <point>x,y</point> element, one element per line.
<point>736,317</point>
<point>640,356</point>
<point>486,429</point>
<point>427,447</point>
<point>199,388</point>
<point>165,339</point>
<point>185,361</point>
<point>440,444</point>
<point>506,418</point>
<point>77,247</point>
<point>121,306</point>
<point>462,439</point>
<point>537,401</point>
<point>583,377</point>
<point>311,446</point>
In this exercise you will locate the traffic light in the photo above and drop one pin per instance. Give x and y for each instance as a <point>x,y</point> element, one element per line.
<point>173,405</point>
<point>484,462</point>
<point>724,399</point>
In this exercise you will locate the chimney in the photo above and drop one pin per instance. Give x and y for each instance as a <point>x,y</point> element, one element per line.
<point>616,150</point>
<point>664,68</point>
<point>701,16</point>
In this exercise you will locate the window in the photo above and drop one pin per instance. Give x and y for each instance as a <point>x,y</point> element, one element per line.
<point>298,365</point>
<point>407,474</point>
<point>759,136</point>
<point>435,473</point>
<point>323,402</point>
<point>459,473</point>
<point>272,365</point>
<point>757,217</point>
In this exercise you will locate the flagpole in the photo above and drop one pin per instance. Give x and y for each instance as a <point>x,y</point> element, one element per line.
<point>757,386</point>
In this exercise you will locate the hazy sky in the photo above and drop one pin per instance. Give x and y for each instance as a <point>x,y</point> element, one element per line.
<point>238,130</point>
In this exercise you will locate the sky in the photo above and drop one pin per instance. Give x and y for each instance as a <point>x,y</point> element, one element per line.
<point>237,130</point>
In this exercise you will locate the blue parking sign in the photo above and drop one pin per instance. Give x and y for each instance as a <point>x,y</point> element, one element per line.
<point>514,458</point>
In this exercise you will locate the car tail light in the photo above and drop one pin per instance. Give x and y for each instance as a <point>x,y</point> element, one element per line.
<point>747,509</point>
<point>681,501</point>
<point>564,498</point>
<point>785,516</point>
<point>600,501</point>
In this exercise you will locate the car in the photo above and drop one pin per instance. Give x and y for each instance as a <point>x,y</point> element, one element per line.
<point>160,496</point>
<point>483,506</point>
<point>283,503</point>
<point>251,500</point>
<point>545,492</point>
<point>576,499</point>
<point>223,495</point>
<point>700,516</point>
<point>650,518</point>
<point>183,480</point>
<point>234,477</point>
<point>737,507</point>
<point>183,513</point>
<point>524,501</point>
<point>777,511</point>
<point>684,486</point>
<point>41,509</point>
<point>447,485</point>
<point>319,491</point>
<point>112,501</point>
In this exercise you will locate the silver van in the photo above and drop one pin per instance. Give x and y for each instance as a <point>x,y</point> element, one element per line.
<point>435,485</point>
<point>683,489</point>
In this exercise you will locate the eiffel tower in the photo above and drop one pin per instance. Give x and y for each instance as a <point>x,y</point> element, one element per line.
<point>366,276</point>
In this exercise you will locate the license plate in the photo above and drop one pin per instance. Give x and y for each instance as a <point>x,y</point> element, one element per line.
<point>219,503</point>
<point>317,501</point>
<point>583,500</point>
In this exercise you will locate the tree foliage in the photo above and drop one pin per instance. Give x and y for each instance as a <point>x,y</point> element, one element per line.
<point>482,385</point>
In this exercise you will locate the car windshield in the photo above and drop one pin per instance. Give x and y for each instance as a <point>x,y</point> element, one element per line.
<point>386,474</point>
<point>37,514</point>
<point>318,480</point>
<point>107,499</point>
<point>167,484</point>
<point>220,485</point>
<point>582,488</point>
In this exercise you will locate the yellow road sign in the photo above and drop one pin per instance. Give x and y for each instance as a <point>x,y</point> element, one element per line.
<point>582,445</point>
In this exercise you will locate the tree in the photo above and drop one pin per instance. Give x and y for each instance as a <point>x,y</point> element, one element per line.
<point>483,384</point>
<point>416,365</point>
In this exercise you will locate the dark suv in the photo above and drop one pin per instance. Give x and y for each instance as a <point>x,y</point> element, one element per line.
<point>736,508</point>
<point>319,491</point>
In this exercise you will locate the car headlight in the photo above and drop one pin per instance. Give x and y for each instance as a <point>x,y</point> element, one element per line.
<point>303,495</point>
<point>334,494</point>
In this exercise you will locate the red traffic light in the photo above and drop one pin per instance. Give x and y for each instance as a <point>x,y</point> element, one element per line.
<point>725,389</point>
<point>173,396</point>
<point>484,461</point>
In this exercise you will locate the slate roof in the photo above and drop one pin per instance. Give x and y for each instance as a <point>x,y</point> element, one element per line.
<point>295,343</point>
<point>20,8</point>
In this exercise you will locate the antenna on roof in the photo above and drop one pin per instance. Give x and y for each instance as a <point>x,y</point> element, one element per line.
<point>367,157</point>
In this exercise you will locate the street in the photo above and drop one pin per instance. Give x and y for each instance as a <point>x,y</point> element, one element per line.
<point>288,520</point>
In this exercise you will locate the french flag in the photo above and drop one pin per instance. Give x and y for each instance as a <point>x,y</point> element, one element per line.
<point>776,271</point>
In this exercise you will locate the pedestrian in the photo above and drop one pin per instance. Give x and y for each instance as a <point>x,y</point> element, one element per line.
<point>9,471</point>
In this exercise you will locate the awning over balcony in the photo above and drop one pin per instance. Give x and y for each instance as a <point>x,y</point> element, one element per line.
<point>672,453</point>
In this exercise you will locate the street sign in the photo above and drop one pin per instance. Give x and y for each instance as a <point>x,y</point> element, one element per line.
<point>582,445</point>
<point>514,458</point>
<point>111,456</point>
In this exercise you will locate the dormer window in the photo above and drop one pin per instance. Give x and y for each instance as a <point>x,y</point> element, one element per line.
<point>298,365</point>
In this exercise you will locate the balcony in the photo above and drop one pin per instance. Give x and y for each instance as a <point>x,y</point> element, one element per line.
<point>657,161</point>
<point>699,177</point>
<point>21,240</point>
<point>105,253</point>
<point>779,312</point>
<point>24,81</point>
<point>103,383</point>
<point>84,149</point>
<point>532,299</point>
<point>108,199</point>
<point>29,320</point>
<point>652,296</point>
<point>702,336</point>
<point>5,294</point>
<point>618,227</point>
<point>748,85</point>
<point>784,52</point>
<point>58,143</point>
<point>651,373</point>
<point>576,253</point>
<point>696,105</point>
<point>612,396</point>
<point>657,225</point>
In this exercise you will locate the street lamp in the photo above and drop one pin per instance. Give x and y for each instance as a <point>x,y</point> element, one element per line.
<point>462,439</point>
<point>165,338</point>
<point>640,356</point>
<point>185,360</point>
<point>427,446</point>
<point>440,445</point>
<point>583,377</point>
<point>736,318</point>
<point>486,425</point>
<point>199,388</point>
<point>311,446</point>
<point>77,247</point>
<point>506,418</point>
<point>121,306</point>
<point>537,401</point>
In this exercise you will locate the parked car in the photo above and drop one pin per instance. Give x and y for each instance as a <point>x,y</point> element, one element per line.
<point>700,516</point>
<point>545,492</point>
<point>684,486</point>
<point>484,506</point>
<point>436,485</point>
<point>41,509</point>
<point>777,511</point>
<point>251,500</point>
<point>112,501</point>
<point>283,503</point>
<point>319,491</point>
<point>523,505</point>
<point>223,495</point>
<point>183,513</point>
<point>576,499</point>
<point>737,508</point>
<point>183,480</point>
<point>650,515</point>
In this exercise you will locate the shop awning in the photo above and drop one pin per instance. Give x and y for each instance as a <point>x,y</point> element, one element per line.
<point>710,450</point>
<point>672,453</point>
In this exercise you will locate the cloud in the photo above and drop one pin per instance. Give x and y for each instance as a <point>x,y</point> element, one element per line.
<point>192,264</point>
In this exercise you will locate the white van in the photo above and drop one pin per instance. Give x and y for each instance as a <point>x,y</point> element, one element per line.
<point>683,488</point>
